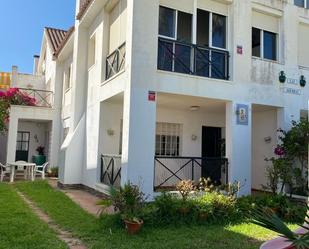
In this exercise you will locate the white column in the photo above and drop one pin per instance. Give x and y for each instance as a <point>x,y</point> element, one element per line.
<point>12,138</point>
<point>238,147</point>
<point>138,146</point>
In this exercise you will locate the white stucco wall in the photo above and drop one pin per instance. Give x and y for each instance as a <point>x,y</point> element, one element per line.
<point>253,81</point>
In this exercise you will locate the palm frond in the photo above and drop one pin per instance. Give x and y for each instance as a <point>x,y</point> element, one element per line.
<point>267,219</point>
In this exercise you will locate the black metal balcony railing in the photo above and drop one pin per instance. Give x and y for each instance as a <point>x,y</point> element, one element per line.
<point>43,98</point>
<point>170,170</point>
<point>115,62</point>
<point>180,57</point>
<point>111,170</point>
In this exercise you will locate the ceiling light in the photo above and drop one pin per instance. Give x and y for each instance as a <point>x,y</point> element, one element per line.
<point>194,108</point>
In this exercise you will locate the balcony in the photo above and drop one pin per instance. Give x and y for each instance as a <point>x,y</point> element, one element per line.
<point>43,98</point>
<point>180,57</point>
<point>115,62</point>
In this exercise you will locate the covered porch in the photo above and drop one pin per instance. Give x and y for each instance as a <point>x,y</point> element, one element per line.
<point>189,141</point>
<point>30,128</point>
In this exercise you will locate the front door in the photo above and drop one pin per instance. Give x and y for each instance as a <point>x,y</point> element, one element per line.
<point>211,151</point>
<point>22,146</point>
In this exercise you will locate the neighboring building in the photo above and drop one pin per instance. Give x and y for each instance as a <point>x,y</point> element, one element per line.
<point>161,90</point>
<point>40,125</point>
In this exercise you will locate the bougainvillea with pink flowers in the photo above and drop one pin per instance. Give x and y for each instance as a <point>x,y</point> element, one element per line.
<point>12,96</point>
<point>289,166</point>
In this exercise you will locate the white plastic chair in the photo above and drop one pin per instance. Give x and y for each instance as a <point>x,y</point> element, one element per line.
<point>3,171</point>
<point>41,169</point>
<point>22,168</point>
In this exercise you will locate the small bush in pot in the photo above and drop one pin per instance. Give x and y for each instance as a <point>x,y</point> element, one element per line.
<point>53,172</point>
<point>129,202</point>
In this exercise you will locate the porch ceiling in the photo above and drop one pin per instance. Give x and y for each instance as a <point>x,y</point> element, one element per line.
<point>183,102</point>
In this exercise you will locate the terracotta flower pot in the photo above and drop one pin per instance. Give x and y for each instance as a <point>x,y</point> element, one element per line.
<point>133,227</point>
<point>203,216</point>
<point>184,210</point>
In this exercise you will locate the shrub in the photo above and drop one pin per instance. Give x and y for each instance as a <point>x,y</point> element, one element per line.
<point>278,204</point>
<point>220,206</point>
<point>128,201</point>
<point>185,187</point>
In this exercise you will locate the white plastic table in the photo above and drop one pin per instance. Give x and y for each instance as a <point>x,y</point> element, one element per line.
<point>30,170</point>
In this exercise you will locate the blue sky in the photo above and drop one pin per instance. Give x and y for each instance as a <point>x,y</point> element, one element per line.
<point>21,28</point>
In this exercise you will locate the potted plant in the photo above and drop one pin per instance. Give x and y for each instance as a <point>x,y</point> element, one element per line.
<point>53,172</point>
<point>39,159</point>
<point>204,211</point>
<point>267,219</point>
<point>129,202</point>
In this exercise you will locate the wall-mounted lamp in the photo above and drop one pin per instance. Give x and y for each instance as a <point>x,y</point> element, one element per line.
<point>282,77</point>
<point>267,139</point>
<point>194,137</point>
<point>110,132</point>
<point>36,138</point>
<point>302,81</point>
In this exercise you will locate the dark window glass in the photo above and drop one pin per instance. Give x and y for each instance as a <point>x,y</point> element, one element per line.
<point>218,65</point>
<point>182,59</point>
<point>256,42</point>
<point>202,28</point>
<point>270,45</point>
<point>218,31</point>
<point>184,27</point>
<point>165,56</point>
<point>167,22</point>
<point>300,3</point>
<point>202,62</point>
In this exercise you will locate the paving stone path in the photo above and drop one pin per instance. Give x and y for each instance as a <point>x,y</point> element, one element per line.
<point>86,200</point>
<point>67,237</point>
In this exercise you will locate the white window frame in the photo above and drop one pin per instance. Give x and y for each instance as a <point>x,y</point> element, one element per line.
<point>194,33</point>
<point>172,129</point>
<point>306,4</point>
<point>262,45</point>
<point>194,27</point>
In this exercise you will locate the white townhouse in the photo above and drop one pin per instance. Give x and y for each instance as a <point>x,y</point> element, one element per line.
<point>154,91</point>
<point>40,125</point>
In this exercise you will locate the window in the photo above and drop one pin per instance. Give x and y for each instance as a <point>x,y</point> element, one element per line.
<point>202,28</point>
<point>217,22</point>
<point>218,31</point>
<point>302,3</point>
<point>176,53</point>
<point>67,78</point>
<point>256,42</point>
<point>167,22</point>
<point>270,45</point>
<point>184,27</point>
<point>91,51</point>
<point>23,139</point>
<point>303,48</point>
<point>264,44</point>
<point>168,139</point>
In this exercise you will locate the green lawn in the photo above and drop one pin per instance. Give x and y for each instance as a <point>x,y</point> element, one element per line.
<point>97,233</point>
<point>19,227</point>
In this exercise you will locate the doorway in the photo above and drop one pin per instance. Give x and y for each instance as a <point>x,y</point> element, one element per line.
<point>22,146</point>
<point>211,153</point>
